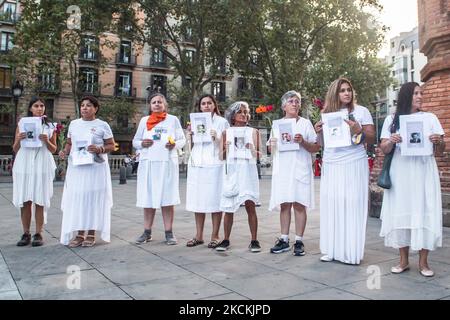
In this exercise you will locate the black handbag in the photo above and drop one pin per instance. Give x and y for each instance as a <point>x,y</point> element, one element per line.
<point>384,179</point>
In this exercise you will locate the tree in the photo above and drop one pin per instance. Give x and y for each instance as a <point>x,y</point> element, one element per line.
<point>195,38</point>
<point>304,45</point>
<point>48,51</point>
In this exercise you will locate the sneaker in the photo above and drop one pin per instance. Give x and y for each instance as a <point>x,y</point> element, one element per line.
<point>299,248</point>
<point>223,245</point>
<point>25,240</point>
<point>145,237</point>
<point>254,246</point>
<point>280,246</point>
<point>37,240</point>
<point>170,239</point>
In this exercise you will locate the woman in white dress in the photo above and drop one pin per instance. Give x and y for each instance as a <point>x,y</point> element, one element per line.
<point>344,185</point>
<point>240,147</point>
<point>292,176</point>
<point>411,213</point>
<point>157,139</point>
<point>204,176</point>
<point>87,197</point>
<point>33,174</point>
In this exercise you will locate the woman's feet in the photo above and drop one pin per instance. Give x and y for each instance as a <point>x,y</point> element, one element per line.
<point>194,242</point>
<point>426,271</point>
<point>77,241</point>
<point>400,268</point>
<point>37,240</point>
<point>89,241</point>
<point>25,240</point>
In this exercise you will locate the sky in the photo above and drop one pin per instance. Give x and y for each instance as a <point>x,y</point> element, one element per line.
<point>400,16</point>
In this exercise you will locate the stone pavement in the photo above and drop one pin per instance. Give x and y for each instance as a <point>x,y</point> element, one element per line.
<point>123,270</point>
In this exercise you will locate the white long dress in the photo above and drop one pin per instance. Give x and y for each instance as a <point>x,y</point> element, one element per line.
<point>292,176</point>
<point>344,191</point>
<point>158,172</point>
<point>245,172</point>
<point>411,212</point>
<point>87,197</point>
<point>33,174</point>
<point>205,173</point>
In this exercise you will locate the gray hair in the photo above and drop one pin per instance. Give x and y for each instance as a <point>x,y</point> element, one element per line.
<point>233,109</point>
<point>287,95</point>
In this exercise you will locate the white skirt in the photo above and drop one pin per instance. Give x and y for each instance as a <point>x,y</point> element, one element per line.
<point>411,213</point>
<point>344,191</point>
<point>204,189</point>
<point>247,184</point>
<point>33,174</point>
<point>291,184</point>
<point>87,201</point>
<point>157,184</point>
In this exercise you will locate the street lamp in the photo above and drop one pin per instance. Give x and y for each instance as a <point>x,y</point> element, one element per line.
<point>17,90</point>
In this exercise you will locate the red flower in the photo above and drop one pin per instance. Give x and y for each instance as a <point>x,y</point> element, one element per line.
<point>269,108</point>
<point>318,103</point>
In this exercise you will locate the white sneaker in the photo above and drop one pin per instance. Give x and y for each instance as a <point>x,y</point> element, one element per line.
<point>326,258</point>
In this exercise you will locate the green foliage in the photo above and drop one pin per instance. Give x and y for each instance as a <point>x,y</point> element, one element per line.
<point>111,109</point>
<point>175,26</point>
<point>305,45</point>
<point>44,45</point>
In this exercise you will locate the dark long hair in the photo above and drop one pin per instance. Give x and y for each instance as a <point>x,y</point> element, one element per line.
<point>216,109</point>
<point>33,100</point>
<point>404,103</point>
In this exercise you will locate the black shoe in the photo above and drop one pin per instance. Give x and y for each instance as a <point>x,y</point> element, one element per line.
<point>299,248</point>
<point>254,246</point>
<point>25,240</point>
<point>37,240</point>
<point>280,246</point>
<point>223,246</point>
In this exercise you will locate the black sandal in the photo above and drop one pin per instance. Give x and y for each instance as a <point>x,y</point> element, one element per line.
<point>194,242</point>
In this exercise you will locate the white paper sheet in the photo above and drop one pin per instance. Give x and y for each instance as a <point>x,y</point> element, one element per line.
<point>201,126</point>
<point>336,132</point>
<point>415,131</point>
<point>80,154</point>
<point>238,137</point>
<point>285,131</point>
<point>32,126</point>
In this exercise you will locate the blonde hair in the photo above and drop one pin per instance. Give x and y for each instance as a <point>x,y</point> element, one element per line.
<point>332,101</point>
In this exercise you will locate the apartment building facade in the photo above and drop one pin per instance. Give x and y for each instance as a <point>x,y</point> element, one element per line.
<point>132,72</point>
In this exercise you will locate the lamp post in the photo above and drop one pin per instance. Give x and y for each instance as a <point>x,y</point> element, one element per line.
<point>17,90</point>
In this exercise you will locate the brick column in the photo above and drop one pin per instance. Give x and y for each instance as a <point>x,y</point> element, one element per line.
<point>434,41</point>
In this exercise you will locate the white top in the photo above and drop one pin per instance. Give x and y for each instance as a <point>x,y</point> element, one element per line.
<point>207,154</point>
<point>99,129</point>
<point>353,152</point>
<point>169,127</point>
<point>436,127</point>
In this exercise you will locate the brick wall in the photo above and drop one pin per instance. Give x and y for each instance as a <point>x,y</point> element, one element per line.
<point>434,40</point>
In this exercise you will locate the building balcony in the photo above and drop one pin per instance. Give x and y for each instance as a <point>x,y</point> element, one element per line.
<point>159,64</point>
<point>125,92</point>
<point>88,57</point>
<point>127,61</point>
<point>86,89</point>
<point>5,92</point>
<point>9,18</point>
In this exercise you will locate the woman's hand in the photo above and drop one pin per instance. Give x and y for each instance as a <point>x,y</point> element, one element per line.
<point>298,138</point>
<point>436,138</point>
<point>94,149</point>
<point>170,146</point>
<point>395,138</point>
<point>355,127</point>
<point>146,143</point>
<point>21,136</point>
<point>62,155</point>
<point>318,127</point>
<point>44,138</point>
